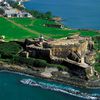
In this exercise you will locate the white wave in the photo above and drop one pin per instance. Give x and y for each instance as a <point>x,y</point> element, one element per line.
<point>67,90</point>
<point>19,73</point>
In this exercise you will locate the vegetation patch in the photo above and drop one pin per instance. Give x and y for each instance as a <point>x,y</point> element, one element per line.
<point>9,49</point>
<point>97,49</point>
<point>89,33</point>
<point>39,26</point>
<point>12,32</point>
<point>39,63</point>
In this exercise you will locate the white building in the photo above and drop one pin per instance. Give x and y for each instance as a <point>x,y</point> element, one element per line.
<point>10,12</point>
<point>16,13</point>
<point>13,12</point>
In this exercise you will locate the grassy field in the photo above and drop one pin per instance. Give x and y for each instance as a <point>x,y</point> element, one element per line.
<point>19,28</point>
<point>38,25</point>
<point>12,31</point>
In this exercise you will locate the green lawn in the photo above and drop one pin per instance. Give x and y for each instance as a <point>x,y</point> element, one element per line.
<point>38,25</point>
<point>89,33</point>
<point>12,31</point>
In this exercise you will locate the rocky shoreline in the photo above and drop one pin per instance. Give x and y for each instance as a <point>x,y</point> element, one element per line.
<point>92,84</point>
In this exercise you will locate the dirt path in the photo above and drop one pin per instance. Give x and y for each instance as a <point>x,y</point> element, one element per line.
<point>24,28</point>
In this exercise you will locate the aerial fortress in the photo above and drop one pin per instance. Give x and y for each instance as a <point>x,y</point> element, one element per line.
<point>74,52</point>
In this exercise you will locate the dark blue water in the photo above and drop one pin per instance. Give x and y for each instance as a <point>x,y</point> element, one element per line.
<point>76,13</point>
<point>12,89</point>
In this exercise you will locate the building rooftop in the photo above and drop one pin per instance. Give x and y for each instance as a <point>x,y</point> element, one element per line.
<point>11,11</point>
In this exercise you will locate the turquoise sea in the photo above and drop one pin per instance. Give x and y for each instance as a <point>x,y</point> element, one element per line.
<point>12,89</point>
<point>76,13</point>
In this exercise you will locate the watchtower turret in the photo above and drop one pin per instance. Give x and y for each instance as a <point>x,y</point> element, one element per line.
<point>41,38</point>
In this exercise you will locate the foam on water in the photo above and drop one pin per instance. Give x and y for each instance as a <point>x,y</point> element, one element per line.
<point>59,88</point>
<point>11,87</point>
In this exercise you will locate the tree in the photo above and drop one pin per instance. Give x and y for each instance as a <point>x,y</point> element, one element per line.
<point>48,15</point>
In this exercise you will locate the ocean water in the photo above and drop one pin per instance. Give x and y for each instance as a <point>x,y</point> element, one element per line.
<point>76,13</point>
<point>12,89</point>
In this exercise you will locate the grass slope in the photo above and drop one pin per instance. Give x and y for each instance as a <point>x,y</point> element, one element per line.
<point>19,28</point>
<point>12,31</point>
<point>38,25</point>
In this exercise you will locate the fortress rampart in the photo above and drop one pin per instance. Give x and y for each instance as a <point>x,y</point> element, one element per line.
<point>39,52</point>
<point>68,52</point>
<point>57,55</point>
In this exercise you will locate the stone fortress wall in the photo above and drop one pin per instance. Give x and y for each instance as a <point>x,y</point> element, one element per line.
<point>68,54</point>
<point>39,52</point>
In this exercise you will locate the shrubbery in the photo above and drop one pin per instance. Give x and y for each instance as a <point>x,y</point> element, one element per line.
<point>36,62</point>
<point>9,49</point>
<point>97,48</point>
<point>30,61</point>
<point>97,42</point>
<point>38,14</point>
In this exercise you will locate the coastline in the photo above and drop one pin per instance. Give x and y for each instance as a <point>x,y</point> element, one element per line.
<point>4,67</point>
<point>62,19</point>
<point>74,22</point>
